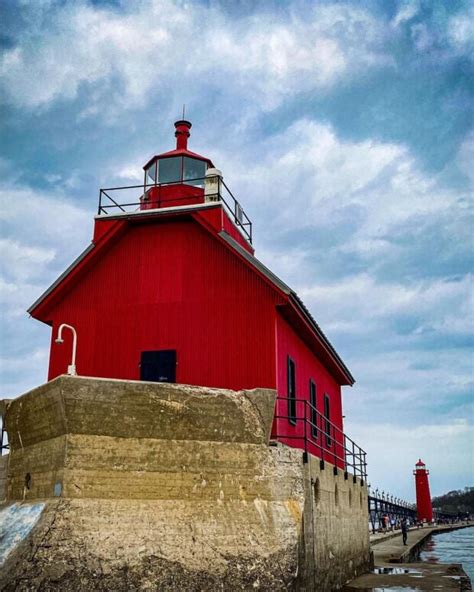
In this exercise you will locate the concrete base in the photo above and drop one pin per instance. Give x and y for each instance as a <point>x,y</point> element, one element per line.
<point>119,545</point>
<point>123,485</point>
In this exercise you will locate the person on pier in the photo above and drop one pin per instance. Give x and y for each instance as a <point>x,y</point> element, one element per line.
<point>404,530</point>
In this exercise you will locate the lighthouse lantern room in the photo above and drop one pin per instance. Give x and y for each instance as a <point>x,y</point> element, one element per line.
<point>177,177</point>
<point>169,290</point>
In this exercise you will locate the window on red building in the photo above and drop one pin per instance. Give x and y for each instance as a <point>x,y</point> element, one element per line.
<point>313,415</point>
<point>327,420</point>
<point>291,380</point>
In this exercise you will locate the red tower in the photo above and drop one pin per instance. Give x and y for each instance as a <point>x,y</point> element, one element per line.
<point>423,497</point>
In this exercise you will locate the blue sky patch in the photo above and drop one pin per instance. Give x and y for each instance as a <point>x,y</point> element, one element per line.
<point>344,129</point>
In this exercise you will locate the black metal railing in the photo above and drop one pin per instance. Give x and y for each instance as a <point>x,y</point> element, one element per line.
<point>298,423</point>
<point>386,511</point>
<point>134,198</point>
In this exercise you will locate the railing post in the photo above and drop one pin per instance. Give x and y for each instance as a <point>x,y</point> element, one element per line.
<point>354,458</point>
<point>320,434</point>
<point>100,203</point>
<point>344,451</point>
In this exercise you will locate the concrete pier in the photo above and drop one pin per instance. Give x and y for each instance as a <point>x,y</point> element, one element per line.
<point>396,565</point>
<point>126,485</point>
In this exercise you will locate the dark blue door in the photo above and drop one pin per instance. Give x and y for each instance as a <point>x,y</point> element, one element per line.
<point>158,366</point>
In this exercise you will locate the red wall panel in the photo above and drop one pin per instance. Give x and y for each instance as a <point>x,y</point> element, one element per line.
<point>170,285</point>
<point>308,367</point>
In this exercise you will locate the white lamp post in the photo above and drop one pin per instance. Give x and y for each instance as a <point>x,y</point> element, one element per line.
<point>71,369</point>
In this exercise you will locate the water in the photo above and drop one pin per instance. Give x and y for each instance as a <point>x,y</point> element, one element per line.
<point>394,589</point>
<point>396,571</point>
<point>452,547</point>
<point>384,589</point>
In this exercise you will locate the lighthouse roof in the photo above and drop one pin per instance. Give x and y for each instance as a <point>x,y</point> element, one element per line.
<point>178,152</point>
<point>182,134</point>
<point>420,463</point>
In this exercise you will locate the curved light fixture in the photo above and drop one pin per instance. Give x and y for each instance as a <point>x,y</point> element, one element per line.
<point>71,369</point>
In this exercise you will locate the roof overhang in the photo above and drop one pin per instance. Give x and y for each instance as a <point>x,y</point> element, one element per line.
<point>298,315</point>
<point>94,249</point>
<point>65,273</point>
<point>175,153</point>
<point>153,213</point>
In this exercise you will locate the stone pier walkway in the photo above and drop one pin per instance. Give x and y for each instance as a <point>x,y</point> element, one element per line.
<point>394,569</point>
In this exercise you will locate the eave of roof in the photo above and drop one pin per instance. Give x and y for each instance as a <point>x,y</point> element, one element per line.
<point>275,280</point>
<point>91,250</point>
<point>294,299</point>
<point>317,329</point>
<point>180,152</point>
<point>65,273</point>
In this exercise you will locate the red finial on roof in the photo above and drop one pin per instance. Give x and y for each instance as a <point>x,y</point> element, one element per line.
<point>182,134</point>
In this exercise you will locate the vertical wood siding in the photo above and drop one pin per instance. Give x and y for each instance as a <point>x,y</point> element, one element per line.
<point>307,367</point>
<point>170,285</point>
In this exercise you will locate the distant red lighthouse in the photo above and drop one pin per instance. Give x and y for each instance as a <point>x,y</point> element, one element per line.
<point>423,496</point>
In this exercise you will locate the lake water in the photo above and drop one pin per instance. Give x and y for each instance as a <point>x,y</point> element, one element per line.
<point>452,547</point>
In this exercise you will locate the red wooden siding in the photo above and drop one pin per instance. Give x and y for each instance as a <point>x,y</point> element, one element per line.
<point>218,219</point>
<point>170,285</point>
<point>308,367</point>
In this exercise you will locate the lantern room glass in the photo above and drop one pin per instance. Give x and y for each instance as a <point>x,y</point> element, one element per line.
<point>150,175</point>
<point>194,171</point>
<point>190,171</point>
<point>170,170</point>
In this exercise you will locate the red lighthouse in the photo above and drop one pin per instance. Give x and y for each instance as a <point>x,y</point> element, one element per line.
<point>169,290</point>
<point>423,496</point>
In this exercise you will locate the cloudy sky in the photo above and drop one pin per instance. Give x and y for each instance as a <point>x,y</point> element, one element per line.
<point>344,128</point>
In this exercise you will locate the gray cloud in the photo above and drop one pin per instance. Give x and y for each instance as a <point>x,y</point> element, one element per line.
<point>102,49</point>
<point>294,108</point>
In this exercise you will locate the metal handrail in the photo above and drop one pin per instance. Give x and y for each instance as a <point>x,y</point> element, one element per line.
<point>318,435</point>
<point>233,207</point>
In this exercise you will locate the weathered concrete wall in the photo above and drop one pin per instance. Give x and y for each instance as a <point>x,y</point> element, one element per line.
<point>111,438</point>
<point>168,487</point>
<point>335,526</point>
